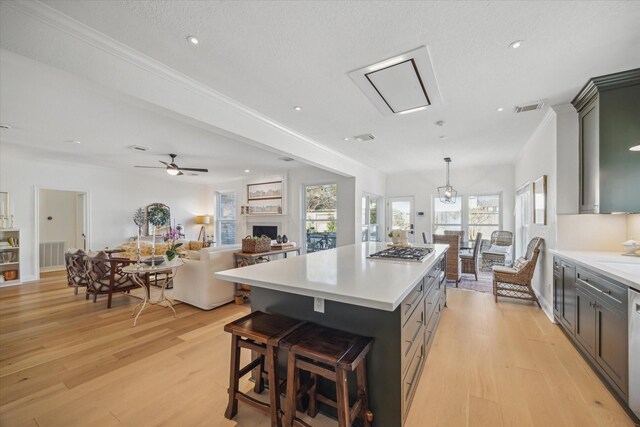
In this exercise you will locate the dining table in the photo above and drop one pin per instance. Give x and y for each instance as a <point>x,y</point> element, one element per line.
<point>139,270</point>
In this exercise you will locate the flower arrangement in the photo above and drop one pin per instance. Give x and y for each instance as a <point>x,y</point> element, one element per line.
<point>140,218</point>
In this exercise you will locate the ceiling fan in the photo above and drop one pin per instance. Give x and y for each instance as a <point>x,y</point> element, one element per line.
<point>172,168</point>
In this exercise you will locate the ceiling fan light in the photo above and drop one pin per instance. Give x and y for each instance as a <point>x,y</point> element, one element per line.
<point>173,171</point>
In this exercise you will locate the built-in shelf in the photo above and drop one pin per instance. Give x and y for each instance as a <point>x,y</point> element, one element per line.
<point>9,248</point>
<point>10,263</point>
<point>11,235</point>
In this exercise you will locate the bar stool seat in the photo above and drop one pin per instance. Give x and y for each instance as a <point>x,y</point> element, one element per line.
<point>331,354</point>
<point>261,333</point>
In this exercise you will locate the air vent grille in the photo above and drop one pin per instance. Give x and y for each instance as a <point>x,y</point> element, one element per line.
<point>286,159</point>
<point>139,148</point>
<point>364,137</point>
<point>530,107</point>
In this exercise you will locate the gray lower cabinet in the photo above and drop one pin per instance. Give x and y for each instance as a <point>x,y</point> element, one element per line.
<point>595,319</point>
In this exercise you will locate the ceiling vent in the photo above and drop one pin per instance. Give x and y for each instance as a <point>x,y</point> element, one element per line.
<point>531,107</point>
<point>139,148</point>
<point>400,85</point>
<point>286,159</point>
<point>364,137</point>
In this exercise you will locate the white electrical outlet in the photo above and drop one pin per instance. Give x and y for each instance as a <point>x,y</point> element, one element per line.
<point>318,305</point>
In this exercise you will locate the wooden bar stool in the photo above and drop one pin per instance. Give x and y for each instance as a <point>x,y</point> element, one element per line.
<point>331,354</point>
<point>261,333</point>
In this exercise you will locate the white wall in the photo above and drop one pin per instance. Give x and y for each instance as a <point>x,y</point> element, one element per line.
<point>114,195</point>
<point>61,207</point>
<point>537,158</point>
<point>467,181</point>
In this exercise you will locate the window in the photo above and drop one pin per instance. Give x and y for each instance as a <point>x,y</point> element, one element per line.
<point>483,215</point>
<point>447,216</point>
<point>321,214</point>
<point>226,218</point>
<point>370,227</point>
<point>473,214</point>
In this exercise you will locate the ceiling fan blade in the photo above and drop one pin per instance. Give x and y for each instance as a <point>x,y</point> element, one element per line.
<point>164,163</point>
<point>150,167</point>
<point>194,170</point>
<point>180,173</point>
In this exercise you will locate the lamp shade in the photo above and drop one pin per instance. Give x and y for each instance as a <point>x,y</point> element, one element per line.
<point>203,219</point>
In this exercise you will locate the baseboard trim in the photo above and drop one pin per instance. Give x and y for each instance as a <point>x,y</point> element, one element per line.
<point>546,307</point>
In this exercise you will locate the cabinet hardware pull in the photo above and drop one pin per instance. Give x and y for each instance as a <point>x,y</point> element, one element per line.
<point>608,292</point>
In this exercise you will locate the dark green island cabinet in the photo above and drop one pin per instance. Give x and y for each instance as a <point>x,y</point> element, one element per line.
<point>592,310</point>
<point>398,303</point>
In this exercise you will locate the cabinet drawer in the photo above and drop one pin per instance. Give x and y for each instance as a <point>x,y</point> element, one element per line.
<point>412,376</point>
<point>410,302</point>
<point>431,301</point>
<point>614,294</point>
<point>412,331</point>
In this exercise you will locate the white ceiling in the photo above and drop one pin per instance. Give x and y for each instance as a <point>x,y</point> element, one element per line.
<point>274,55</point>
<point>49,108</point>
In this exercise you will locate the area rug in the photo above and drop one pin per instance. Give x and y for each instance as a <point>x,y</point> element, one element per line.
<point>468,281</point>
<point>155,295</point>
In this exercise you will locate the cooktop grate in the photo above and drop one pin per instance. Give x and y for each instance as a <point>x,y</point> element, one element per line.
<point>402,254</point>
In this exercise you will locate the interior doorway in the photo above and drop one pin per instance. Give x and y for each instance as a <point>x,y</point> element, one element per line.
<point>61,224</point>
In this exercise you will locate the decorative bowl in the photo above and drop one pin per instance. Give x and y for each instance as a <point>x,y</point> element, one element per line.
<point>159,260</point>
<point>6,257</point>
<point>631,246</point>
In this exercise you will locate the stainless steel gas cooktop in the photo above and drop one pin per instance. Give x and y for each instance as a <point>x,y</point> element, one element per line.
<point>402,254</point>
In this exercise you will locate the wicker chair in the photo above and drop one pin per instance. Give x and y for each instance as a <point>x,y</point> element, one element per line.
<point>456,233</point>
<point>470,262</point>
<point>516,282</point>
<point>499,251</point>
<point>76,266</point>
<point>453,254</point>
<point>106,277</point>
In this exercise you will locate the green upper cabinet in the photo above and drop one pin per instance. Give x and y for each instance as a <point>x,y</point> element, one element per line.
<point>609,124</point>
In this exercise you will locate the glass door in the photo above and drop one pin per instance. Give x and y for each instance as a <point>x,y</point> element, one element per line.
<point>400,216</point>
<point>320,216</point>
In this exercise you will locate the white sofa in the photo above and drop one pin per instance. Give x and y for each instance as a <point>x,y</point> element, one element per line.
<point>195,283</point>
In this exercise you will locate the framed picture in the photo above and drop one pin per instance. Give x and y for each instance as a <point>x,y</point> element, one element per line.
<point>540,200</point>
<point>264,190</point>
<point>4,204</point>
<point>264,206</point>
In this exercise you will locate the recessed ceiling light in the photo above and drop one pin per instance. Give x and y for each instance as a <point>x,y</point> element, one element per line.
<point>442,136</point>
<point>247,171</point>
<point>516,44</point>
<point>635,148</point>
<point>5,126</point>
<point>193,40</point>
<point>75,141</point>
<point>297,108</point>
<point>345,139</point>
<point>499,109</point>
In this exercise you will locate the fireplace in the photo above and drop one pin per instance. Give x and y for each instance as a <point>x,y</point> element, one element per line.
<point>268,230</point>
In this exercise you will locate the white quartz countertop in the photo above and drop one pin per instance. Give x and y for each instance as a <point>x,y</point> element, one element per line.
<point>624,269</point>
<point>344,274</point>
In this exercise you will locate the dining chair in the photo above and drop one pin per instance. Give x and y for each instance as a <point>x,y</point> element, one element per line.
<point>500,250</point>
<point>453,255</point>
<point>470,261</point>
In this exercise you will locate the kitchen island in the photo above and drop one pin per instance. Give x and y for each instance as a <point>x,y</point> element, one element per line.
<point>398,303</point>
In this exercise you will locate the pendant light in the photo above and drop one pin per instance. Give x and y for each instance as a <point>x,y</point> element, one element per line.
<point>447,193</point>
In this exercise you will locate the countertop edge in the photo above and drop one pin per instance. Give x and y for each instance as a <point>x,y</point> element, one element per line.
<point>571,254</point>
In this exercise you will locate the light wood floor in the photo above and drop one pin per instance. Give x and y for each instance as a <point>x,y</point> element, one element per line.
<point>65,361</point>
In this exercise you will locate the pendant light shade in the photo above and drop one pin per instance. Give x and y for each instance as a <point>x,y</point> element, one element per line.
<point>447,193</point>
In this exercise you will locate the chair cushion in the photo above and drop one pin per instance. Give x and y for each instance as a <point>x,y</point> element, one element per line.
<point>466,256</point>
<point>501,269</point>
<point>520,263</point>
<point>498,249</point>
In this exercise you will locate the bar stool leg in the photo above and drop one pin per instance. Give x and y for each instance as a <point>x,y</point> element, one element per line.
<point>361,378</point>
<point>259,385</point>
<point>234,379</point>
<point>274,392</point>
<point>313,393</point>
<point>342,398</point>
<point>292,380</point>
